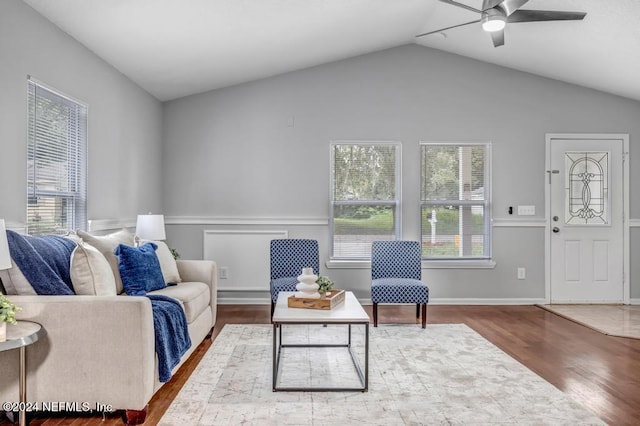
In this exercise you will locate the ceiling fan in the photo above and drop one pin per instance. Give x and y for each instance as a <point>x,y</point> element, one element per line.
<point>496,14</point>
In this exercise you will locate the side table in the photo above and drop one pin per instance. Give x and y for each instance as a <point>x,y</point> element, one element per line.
<point>19,336</point>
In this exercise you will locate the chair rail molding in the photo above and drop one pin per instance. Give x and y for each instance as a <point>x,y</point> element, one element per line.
<point>246,220</point>
<point>111,224</point>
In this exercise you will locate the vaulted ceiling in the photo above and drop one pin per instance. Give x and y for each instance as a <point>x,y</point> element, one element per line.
<point>174,48</point>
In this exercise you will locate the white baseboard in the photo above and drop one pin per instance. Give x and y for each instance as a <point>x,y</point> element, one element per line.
<point>466,301</point>
<point>498,301</point>
<point>243,300</point>
<point>265,301</point>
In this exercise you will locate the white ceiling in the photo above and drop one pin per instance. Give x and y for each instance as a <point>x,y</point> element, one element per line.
<point>174,48</point>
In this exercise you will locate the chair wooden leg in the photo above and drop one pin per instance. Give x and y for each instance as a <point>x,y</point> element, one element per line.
<point>273,307</point>
<point>417,310</point>
<point>424,315</point>
<point>375,314</point>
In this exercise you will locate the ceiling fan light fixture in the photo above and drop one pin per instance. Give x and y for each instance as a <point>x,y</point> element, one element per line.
<point>493,20</point>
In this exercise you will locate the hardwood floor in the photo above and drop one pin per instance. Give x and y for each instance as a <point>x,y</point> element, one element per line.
<point>600,372</point>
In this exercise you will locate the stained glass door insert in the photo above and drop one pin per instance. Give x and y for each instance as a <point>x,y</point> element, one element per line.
<point>587,188</point>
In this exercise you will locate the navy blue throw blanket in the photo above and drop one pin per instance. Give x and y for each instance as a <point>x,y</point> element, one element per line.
<point>172,335</point>
<point>44,261</point>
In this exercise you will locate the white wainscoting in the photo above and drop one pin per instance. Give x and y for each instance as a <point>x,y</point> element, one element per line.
<point>244,254</point>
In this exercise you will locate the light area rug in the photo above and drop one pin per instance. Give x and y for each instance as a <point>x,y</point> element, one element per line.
<point>441,375</point>
<point>614,320</point>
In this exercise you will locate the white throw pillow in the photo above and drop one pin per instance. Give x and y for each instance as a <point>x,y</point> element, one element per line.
<point>7,285</point>
<point>15,282</point>
<point>106,244</point>
<point>168,263</point>
<point>91,274</point>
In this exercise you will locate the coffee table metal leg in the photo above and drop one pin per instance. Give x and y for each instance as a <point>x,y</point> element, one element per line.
<point>366,358</point>
<point>362,375</point>
<point>274,367</point>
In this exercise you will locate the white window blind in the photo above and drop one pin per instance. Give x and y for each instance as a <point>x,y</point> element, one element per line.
<point>56,162</point>
<point>455,200</point>
<point>365,196</point>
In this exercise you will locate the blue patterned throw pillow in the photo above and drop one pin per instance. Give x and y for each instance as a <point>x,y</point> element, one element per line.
<point>139,268</point>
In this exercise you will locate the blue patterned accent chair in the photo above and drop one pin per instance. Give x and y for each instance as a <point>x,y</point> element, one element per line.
<point>396,275</point>
<point>288,257</point>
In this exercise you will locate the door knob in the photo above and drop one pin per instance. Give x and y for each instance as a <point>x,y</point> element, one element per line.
<point>556,229</point>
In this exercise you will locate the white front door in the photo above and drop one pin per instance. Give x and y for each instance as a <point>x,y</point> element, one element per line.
<point>586,218</point>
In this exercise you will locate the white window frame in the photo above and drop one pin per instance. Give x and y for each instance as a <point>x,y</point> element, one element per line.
<point>396,203</point>
<point>74,175</point>
<point>463,261</point>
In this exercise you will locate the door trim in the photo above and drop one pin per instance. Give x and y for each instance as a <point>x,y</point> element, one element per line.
<point>549,137</point>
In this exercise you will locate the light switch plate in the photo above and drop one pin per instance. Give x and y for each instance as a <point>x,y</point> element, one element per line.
<point>526,210</point>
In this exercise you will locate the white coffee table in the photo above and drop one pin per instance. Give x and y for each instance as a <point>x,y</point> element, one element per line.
<point>350,312</point>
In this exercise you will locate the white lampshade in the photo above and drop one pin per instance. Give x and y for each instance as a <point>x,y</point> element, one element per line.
<point>5,256</point>
<point>150,227</point>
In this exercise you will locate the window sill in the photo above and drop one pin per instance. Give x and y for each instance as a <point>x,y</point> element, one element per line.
<point>426,264</point>
<point>348,264</point>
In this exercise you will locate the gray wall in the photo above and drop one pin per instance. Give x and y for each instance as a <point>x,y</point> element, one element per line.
<point>256,156</point>
<point>124,121</point>
<point>232,156</point>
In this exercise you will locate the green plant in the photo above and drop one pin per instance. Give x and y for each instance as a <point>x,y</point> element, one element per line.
<point>324,284</point>
<point>175,253</point>
<point>7,310</point>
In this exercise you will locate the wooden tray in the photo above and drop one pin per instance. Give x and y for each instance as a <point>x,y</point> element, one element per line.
<point>336,298</point>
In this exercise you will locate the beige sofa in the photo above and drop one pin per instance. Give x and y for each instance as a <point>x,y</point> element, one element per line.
<point>101,349</point>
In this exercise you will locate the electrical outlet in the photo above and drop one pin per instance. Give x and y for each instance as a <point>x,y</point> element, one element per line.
<point>224,272</point>
<point>522,273</point>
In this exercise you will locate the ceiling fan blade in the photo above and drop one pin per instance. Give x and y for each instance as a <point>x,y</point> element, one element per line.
<point>462,5</point>
<point>511,6</point>
<point>498,38</point>
<point>448,28</point>
<point>544,15</point>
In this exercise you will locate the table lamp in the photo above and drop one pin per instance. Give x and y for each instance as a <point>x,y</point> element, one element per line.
<point>150,227</point>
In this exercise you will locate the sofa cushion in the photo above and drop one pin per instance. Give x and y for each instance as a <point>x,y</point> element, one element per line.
<point>44,260</point>
<point>139,269</point>
<point>4,279</point>
<point>194,296</point>
<point>91,274</point>
<point>167,262</point>
<point>89,270</point>
<point>15,282</point>
<point>106,244</point>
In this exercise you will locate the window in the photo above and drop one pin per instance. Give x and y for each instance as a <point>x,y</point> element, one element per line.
<point>56,162</point>
<point>365,196</point>
<point>455,200</point>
